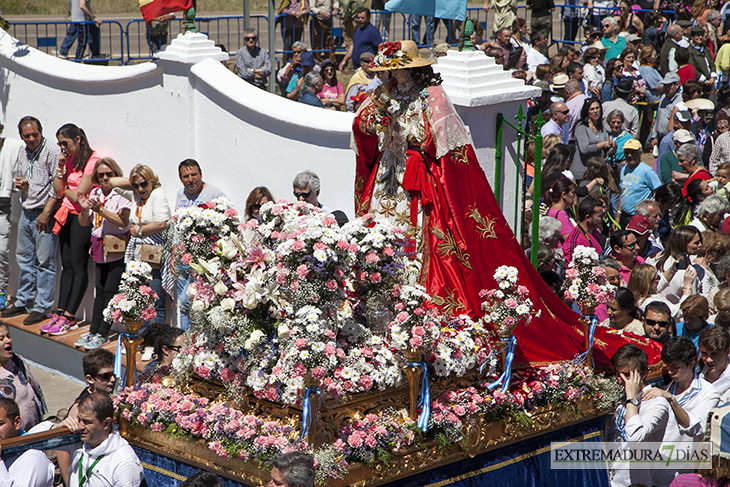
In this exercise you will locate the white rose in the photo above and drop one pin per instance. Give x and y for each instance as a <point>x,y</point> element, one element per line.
<point>220,288</point>
<point>283,331</point>
<point>228,304</point>
<point>198,306</point>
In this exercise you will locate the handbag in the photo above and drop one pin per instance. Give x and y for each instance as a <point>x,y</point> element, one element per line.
<point>152,254</point>
<point>114,245</point>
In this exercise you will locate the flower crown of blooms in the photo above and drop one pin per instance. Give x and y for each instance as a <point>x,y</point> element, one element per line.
<point>391,56</point>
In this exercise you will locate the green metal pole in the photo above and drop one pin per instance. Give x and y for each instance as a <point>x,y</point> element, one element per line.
<point>498,161</point>
<point>536,190</point>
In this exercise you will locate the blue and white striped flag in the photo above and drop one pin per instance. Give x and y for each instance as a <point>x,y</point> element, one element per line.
<point>441,9</point>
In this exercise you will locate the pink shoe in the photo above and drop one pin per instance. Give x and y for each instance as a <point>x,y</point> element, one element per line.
<point>54,319</point>
<point>63,326</point>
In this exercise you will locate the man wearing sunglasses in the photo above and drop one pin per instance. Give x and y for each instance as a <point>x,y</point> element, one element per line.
<point>306,188</point>
<point>253,61</point>
<point>658,321</point>
<point>625,249</point>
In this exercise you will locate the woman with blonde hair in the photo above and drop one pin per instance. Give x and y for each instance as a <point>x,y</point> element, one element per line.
<point>149,214</point>
<point>645,282</point>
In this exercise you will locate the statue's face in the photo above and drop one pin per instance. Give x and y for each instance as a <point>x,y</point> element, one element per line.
<point>401,75</point>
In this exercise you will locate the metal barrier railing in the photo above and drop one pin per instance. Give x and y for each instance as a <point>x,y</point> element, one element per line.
<point>84,40</point>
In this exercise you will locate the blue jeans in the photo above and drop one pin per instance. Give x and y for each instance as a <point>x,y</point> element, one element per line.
<point>183,281</point>
<point>156,285</point>
<point>415,24</point>
<point>36,256</point>
<point>71,34</point>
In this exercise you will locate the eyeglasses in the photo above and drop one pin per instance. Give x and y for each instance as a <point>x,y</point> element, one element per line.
<point>255,207</point>
<point>306,195</point>
<point>662,324</point>
<point>107,174</point>
<point>656,278</point>
<point>250,38</point>
<point>565,112</point>
<point>142,185</point>
<point>105,377</point>
<point>614,278</point>
<point>298,52</point>
<point>630,246</point>
<point>604,26</point>
<point>63,143</point>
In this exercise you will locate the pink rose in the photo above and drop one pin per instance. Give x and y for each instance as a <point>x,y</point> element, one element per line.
<point>331,285</point>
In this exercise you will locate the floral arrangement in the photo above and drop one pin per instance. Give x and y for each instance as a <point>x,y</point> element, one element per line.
<point>416,322</point>
<point>196,229</point>
<point>376,248</point>
<point>135,298</point>
<point>391,56</point>
<point>585,281</point>
<point>461,345</point>
<point>508,305</point>
<point>376,438</point>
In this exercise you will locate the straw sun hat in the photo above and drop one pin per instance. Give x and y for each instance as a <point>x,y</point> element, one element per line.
<point>398,55</point>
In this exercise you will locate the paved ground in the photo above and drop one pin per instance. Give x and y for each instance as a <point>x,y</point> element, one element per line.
<point>59,391</point>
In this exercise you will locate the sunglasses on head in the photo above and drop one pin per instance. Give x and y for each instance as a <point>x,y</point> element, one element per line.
<point>141,185</point>
<point>106,376</point>
<point>662,323</point>
<point>306,195</point>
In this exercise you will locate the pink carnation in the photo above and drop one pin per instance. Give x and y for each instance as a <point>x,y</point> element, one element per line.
<point>510,303</point>
<point>342,245</point>
<point>227,375</point>
<point>402,317</point>
<point>331,285</point>
<point>230,213</point>
<point>372,258</point>
<point>297,246</point>
<point>389,251</point>
<point>355,439</point>
<point>187,258</point>
<point>572,394</point>
<point>419,331</point>
<point>375,277</point>
<point>149,314</point>
<point>416,341</point>
<point>302,271</point>
<point>319,246</point>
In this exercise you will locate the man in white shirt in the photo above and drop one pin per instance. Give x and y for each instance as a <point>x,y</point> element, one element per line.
<point>690,397</point>
<point>535,56</point>
<point>30,469</point>
<point>637,420</point>
<point>714,346</point>
<point>558,123</point>
<point>104,458</point>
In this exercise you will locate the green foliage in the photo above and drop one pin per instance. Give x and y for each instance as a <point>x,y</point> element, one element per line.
<point>520,417</point>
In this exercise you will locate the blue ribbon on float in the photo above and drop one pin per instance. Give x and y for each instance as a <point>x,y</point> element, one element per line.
<point>118,357</point>
<point>507,373</point>
<point>581,358</point>
<point>306,412</point>
<point>424,401</point>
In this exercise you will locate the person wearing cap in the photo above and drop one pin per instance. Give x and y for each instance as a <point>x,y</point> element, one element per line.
<point>558,123</point>
<point>359,81</point>
<point>641,227</point>
<point>637,419</point>
<point>541,103</point>
<point>638,182</point>
<point>701,57</point>
<point>332,93</point>
<point>667,64</point>
<point>653,212</point>
<point>669,168</point>
<point>558,86</point>
<point>252,61</point>
<point>633,40</point>
<point>535,56</point>
<point>441,49</point>
<point>623,91</point>
<point>671,97</point>
<point>366,39</point>
<point>686,26</point>
<point>614,43</point>
<point>293,89</point>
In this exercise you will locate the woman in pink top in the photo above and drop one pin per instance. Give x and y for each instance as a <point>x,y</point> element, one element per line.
<point>73,178</point>
<point>560,197</point>
<point>107,212</point>
<point>332,94</point>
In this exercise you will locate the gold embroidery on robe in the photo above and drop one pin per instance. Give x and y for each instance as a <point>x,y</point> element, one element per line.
<point>448,304</point>
<point>361,207</point>
<point>485,226</point>
<point>387,208</point>
<point>460,154</point>
<point>448,246</point>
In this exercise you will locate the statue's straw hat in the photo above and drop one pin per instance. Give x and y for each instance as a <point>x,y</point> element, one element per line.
<point>398,55</point>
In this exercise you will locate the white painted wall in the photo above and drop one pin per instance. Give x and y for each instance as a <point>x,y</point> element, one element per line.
<point>183,107</point>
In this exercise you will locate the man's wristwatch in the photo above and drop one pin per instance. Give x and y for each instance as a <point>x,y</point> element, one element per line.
<point>633,401</point>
